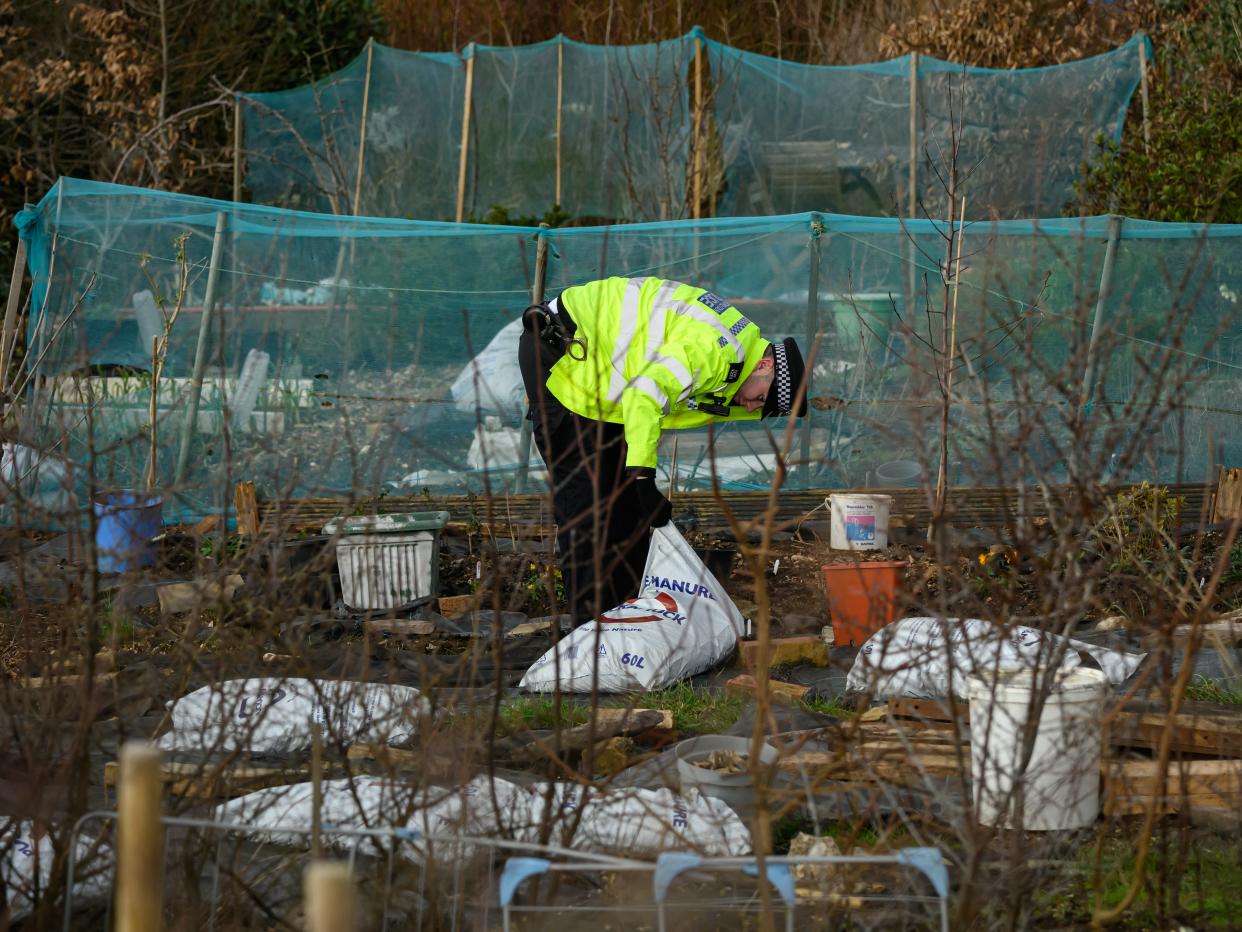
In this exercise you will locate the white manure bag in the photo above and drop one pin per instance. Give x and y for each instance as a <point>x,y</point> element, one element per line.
<point>681,623</point>
<point>282,814</point>
<point>26,862</point>
<point>934,657</point>
<point>492,381</point>
<point>638,821</point>
<point>275,714</point>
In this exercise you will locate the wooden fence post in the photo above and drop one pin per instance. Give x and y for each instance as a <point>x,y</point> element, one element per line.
<point>140,840</point>
<point>328,896</point>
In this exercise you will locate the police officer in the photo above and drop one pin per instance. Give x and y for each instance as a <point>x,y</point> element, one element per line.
<point>608,366</point>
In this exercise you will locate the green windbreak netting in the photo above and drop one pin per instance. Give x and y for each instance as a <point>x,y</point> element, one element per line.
<point>614,147</point>
<point>369,356</point>
<point>799,137</point>
<point>609,133</point>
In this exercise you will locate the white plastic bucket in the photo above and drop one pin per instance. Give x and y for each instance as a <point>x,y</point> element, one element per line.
<point>736,789</point>
<point>858,521</point>
<point>1059,788</point>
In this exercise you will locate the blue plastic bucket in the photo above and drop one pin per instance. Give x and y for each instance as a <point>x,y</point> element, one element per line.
<point>125,522</point>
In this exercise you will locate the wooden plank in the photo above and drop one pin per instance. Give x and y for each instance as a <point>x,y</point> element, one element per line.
<point>66,681</point>
<point>782,692</point>
<point>610,715</point>
<point>917,734</point>
<point>213,781</point>
<point>1132,787</point>
<point>580,737</point>
<point>402,627</point>
<point>879,764</point>
<point>806,649</point>
<point>1227,503</point>
<point>1190,734</point>
<point>934,710</point>
<point>246,506</point>
<point>1224,631</point>
<point>396,758</point>
<point>1201,728</point>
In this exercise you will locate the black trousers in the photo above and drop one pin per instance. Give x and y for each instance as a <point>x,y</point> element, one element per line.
<point>601,532</point>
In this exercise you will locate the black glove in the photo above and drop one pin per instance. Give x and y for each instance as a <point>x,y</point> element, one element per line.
<point>652,504</point>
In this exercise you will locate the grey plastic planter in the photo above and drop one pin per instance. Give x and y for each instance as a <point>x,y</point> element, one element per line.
<point>736,789</point>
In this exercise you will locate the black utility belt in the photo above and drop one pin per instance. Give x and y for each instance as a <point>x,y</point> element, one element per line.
<point>555,330</point>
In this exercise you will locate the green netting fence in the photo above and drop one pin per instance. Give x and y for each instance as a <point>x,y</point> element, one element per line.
<point>364,356</point>
<point>678,129</point>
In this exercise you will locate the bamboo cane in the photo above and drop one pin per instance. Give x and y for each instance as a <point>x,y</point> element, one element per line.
<point>200,352</point>
<point>362,132</point>
<point>698,129</point>
<point>8,337</point>
<point>812,334</point>
<point>316,792</point>
<point>140,840</point>
<point>465,136</point>
<point>237,129</point>
<point>950,356</point>
<point>1097,322</point>
<point>914,134</point>
<point>1143,88</point>
<point>560,112</point>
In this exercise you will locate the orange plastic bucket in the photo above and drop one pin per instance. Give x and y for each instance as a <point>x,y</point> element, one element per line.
<point>862,598</point>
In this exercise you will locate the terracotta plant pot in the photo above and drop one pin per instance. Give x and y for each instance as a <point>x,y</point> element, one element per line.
<point>862,598</point>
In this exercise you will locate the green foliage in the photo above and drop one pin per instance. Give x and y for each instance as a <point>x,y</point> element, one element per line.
<point>498,215</point>
<point>301,39</point>
<point>696,710</point>
<point>1188,886</point>
<point>1139,526</point>
<point>210,548</point>
<point>534,713</point>
<point>1202,689</point>
<point>534,585</point>
<point>1191,171</point>
<point>1233,570</point>
<point>836,707</point>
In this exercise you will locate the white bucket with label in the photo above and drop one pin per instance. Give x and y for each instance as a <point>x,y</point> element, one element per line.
<point>859,521</point>
<point>1059,786</point>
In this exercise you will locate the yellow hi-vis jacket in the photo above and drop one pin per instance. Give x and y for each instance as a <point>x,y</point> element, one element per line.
<point>655,351</point>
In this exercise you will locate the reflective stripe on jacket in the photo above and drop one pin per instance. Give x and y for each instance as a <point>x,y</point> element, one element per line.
<point>655,350</point>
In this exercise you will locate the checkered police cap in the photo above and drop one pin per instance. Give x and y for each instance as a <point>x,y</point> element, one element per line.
<point>786,381</point>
